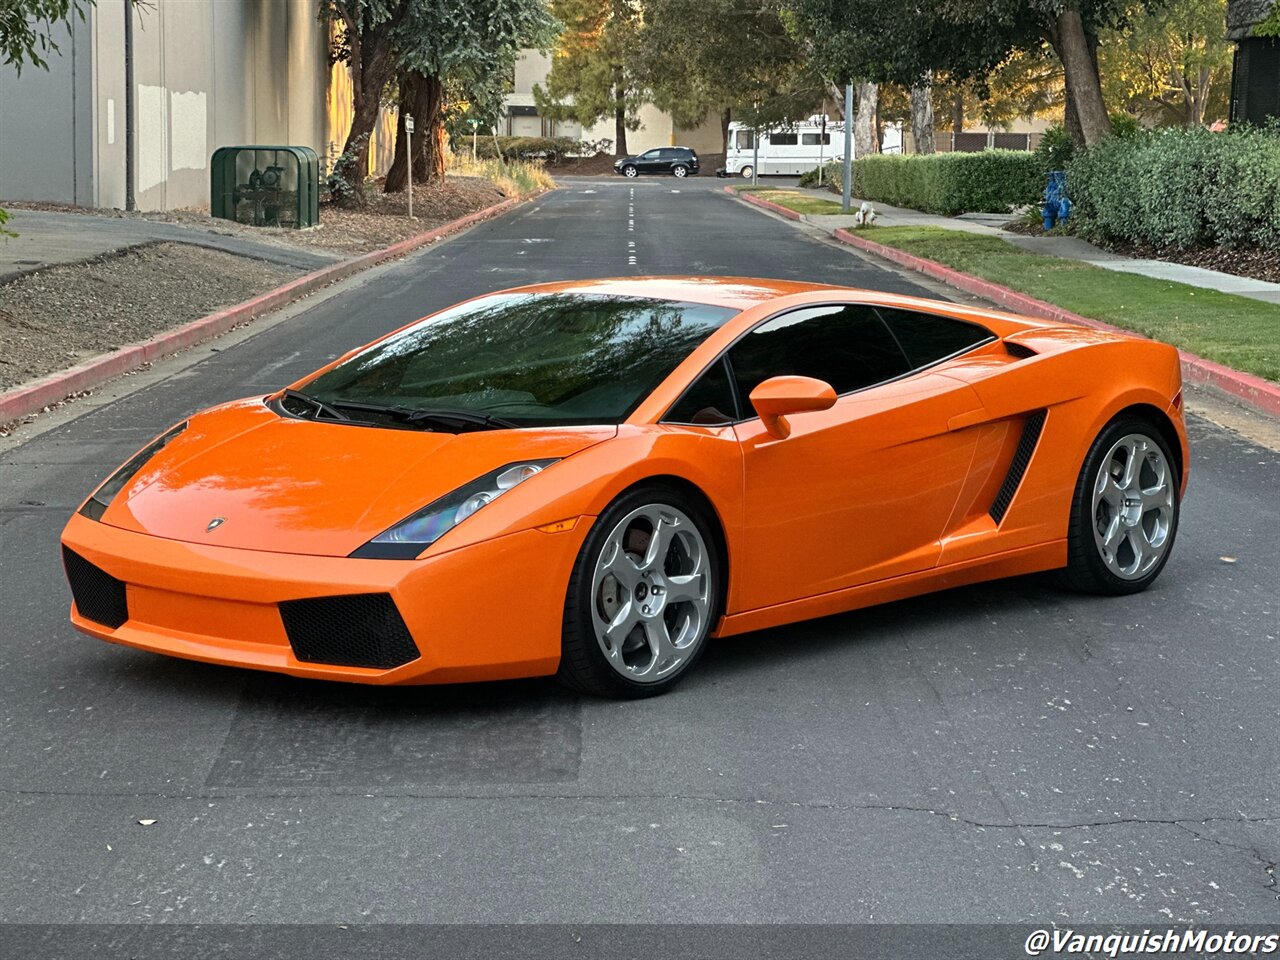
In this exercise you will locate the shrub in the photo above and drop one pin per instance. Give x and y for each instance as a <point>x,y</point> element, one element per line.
<point>950,183</point>
<point>831,174</point>
<point>1055,149</point>
<point>549,149</point>
<point>1180,188</point>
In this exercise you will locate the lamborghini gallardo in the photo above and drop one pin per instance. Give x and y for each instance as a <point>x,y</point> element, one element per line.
<point>590,479</point>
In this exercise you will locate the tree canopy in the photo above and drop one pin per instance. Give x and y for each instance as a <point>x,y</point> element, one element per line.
<point>27,29</point>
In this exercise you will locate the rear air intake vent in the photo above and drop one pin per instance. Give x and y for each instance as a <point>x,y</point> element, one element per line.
<point>358,630</point>
<point>1031,429</point>
<point>98,595</point>
<point>1018,350</point>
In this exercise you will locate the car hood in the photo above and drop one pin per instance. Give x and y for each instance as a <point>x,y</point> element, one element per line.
<point>308,487</point>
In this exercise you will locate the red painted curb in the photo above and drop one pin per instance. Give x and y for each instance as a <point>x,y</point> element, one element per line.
<point>1262,395</point>
<point>766,204</point>
<point>34,396</point>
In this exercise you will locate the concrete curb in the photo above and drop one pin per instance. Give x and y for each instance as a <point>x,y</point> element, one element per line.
<point>1262,395</point>
<point>32,397</point>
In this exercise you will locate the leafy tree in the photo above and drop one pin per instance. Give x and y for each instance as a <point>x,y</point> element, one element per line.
<point>595,72</point>
<point>967,39</point>
<point>1174,60</point>
<point>441,44</point>
<point>27,28</point>
<point>733,57</point>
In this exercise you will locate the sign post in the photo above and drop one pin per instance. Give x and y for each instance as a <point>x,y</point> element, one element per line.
<point>846,188</point>
<point>408,156</point>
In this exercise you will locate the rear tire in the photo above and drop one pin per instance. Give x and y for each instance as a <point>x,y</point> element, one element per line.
<point>638,610</point>
<point>1124,514</point>
<point>680,170</point>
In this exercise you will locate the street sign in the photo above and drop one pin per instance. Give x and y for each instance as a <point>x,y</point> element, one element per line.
<point>408,123</point>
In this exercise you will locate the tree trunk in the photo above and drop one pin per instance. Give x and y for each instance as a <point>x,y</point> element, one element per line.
<point>619,114</point>
<point>922,114</point>
<point>372,66</point>
<point>1079,64</point>
<point>725,117</point>
<point>422,98</point>
<point>864,119</point>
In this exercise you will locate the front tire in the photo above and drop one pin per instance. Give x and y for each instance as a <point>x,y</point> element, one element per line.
<point>642,598</point>
<point>1124,515</point>
<point>747,171</point>
<point>630,171</point>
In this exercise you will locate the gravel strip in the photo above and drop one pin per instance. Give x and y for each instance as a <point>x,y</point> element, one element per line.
<point>55,318</point>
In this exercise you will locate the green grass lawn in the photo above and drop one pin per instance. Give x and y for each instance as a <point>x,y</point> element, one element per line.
<point>1236,331</point>
<point>794,200</point>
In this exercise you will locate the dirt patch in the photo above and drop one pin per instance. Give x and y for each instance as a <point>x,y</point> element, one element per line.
<point>383,222</point>
<point>53,319</point>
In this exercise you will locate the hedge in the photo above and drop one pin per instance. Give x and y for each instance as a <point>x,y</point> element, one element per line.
<point>553,149</point>
<point>1181,188</point>
<point>950,183</point>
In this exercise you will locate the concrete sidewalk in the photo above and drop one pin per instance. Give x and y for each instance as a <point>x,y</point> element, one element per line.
<point>48,238</point>
<point>1070,248</point>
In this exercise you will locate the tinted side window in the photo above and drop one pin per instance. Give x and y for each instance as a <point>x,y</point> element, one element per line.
<point>926,338</point>
<point>813,139</point>
<point>708,401</point>
<point>668,154</point>
<point>783,139</point>
<point>847,346</point>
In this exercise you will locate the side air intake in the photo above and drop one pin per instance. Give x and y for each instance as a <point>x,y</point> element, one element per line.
<point>99,596</point>
<point>1031,430</point>
<point>1018,350</point>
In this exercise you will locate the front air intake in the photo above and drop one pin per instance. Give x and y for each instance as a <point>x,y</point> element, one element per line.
<point>99,596</point>
<point>1031,429</point>
<point>356,630</point>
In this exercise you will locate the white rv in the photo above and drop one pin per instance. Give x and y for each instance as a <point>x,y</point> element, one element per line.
<point>793,149</point>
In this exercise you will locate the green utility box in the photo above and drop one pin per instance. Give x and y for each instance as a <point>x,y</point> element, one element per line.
<point>266,186</point>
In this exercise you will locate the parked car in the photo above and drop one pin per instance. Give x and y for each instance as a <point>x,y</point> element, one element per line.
<point>589,478</point>
<point>677,161</point>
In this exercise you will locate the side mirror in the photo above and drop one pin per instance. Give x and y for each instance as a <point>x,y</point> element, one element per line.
<point>779,396</point>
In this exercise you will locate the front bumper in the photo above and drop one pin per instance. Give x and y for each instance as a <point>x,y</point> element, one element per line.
<point>488,611</point>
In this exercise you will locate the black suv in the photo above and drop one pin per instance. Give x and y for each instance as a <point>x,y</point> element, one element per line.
<point>678,161</point>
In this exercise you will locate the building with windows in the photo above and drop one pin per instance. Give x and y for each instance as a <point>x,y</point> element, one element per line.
<point>657,128</point>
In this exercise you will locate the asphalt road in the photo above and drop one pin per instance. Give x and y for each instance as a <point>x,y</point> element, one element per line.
<point>998,753</point>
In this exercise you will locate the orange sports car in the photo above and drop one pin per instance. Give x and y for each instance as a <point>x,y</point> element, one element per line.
<point>589,479</point>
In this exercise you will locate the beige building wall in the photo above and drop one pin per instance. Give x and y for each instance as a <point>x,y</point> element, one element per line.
<point>207,74</point>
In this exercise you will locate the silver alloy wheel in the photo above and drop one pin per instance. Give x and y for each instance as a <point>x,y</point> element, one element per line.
<point>630,171</point>
<point>651,593</point>
<point>1133,507</point>
<point>679,171</point>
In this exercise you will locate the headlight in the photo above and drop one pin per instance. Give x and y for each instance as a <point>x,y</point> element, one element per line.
<point>97,505</point>
<point>415,533</point>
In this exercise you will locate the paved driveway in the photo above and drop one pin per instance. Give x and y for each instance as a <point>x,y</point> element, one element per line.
<point>994,753</point>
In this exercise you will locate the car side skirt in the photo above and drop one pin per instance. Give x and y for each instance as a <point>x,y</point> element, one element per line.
<point>1010,563</point>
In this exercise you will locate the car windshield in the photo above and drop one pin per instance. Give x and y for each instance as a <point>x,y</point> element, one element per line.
<point>527,359</point>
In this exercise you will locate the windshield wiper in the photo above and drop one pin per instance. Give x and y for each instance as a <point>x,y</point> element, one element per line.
<point>316,404</point>
<point>425,416</point>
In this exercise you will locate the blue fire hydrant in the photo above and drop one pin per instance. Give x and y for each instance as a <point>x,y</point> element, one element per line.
<point>1056,207</point>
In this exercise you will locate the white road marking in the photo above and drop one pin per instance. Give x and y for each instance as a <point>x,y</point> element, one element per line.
<point>586,191</point>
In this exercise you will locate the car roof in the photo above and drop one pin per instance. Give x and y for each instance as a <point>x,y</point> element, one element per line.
<point>738,292</point>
